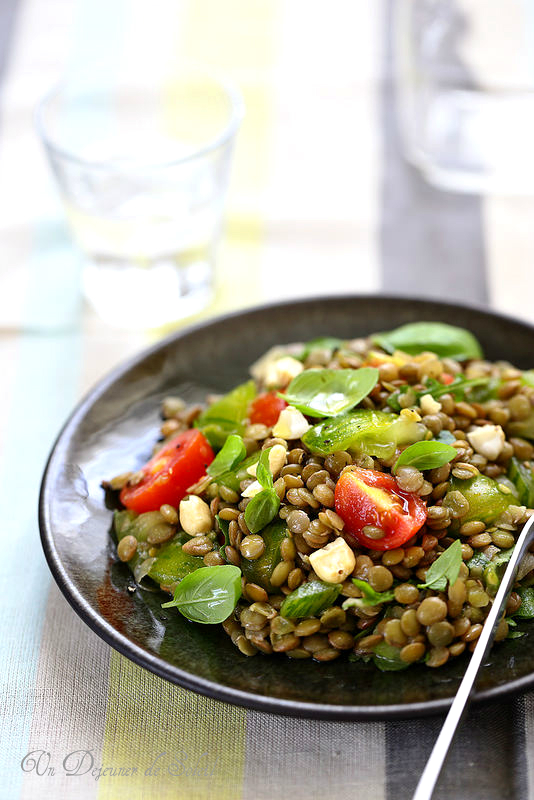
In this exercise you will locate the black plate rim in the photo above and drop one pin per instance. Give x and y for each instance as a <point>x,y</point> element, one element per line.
<point>174,674</point>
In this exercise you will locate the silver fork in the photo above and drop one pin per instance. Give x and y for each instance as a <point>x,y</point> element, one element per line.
<point>431,772</point>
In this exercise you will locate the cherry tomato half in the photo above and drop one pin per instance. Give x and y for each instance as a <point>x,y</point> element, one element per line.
<point>168,474</point>
<point>368,497</point>
<point>266,408</point>
<point>446,378</point>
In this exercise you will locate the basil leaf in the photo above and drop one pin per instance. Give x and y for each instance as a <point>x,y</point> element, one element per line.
<point>232,453</point>
<point>494,571</point>
<point>436,337</point>
<point>370,596</point>
<point>526,609</point>
<point>261,510</point>
<point>515,634</point>
<point>425,455</point>
<point>320,343</point>
<point>368,432</point>
<point>263,471</point>
<point>224,525</point>
<point>387,658</point>
<point>227,415</point>
<point>309,599</point>
<point>208,595</point>
<point>329,392</point>
<point>445,569</point>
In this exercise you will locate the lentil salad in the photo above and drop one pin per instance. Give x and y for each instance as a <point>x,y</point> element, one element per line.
<point>355,497</point>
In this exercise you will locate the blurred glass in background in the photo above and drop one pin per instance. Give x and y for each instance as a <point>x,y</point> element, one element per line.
<point>465,89</point>
<point>142,164</point>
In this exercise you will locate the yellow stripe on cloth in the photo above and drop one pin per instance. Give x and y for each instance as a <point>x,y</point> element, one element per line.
<point>181,745</point>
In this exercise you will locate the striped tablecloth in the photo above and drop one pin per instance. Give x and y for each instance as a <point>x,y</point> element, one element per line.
<point>321,201</point>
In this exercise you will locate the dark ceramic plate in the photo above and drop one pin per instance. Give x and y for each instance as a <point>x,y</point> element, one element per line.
<point>114,429</point>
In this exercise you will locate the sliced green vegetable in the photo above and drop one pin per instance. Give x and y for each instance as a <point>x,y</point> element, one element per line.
<point>524,428</point>
<point>445,569</point>
<point>526,609</point>
<point>522,476</point>
<point>227,415</point>
<point>329,392</point>
<point>495,570</point>
<point>370,596</point>
<point>436,337</point>
<point>364,431</point>
<point>233,452</point>
<point>140,525</point>
<point>486,501</point>
<point>172,564</point>
<point>259,570</point>
<point>425,455</point>
<point>208,595</point>
<point>309,599</point>
<point>387,658</point>
<point>330,343</point>
<point>263,507</point>
<point>122,522</point>
<point>528,378</point>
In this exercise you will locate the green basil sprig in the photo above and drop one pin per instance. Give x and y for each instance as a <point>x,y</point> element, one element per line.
<point>370,596</point>
<point>208,595</point>
<point>526,609</point>
<point>264,506</point>
<point>330,343</point>
<point>232,453</point>
<point>329,392</point>
<point>309,599</point>
<point>444,569</point>
<point>224,526</point>
<point>425,455</point>
<point>436,337</point>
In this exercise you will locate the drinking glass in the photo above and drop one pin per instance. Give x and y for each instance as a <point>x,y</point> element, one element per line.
<point>465,92</point>
<point>142,165</point>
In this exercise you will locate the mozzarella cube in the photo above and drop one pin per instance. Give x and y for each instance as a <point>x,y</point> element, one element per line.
<point>428,405</point>
<point>334,562</point>
<point>281,372</point>
<point>291,424</point>
<point>277,459</point>
<point>487,440</point>
<point>195,516</point>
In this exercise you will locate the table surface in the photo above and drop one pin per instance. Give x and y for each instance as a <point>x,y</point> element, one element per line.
<point>320,202</point>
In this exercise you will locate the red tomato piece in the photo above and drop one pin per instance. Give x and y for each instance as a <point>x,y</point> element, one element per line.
<point>446,378</point>
<point>168,474</point>
<point>368,497</point>
<point>266,408</point>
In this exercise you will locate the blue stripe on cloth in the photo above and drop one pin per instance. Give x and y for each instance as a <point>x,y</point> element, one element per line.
<point>45,387</point>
